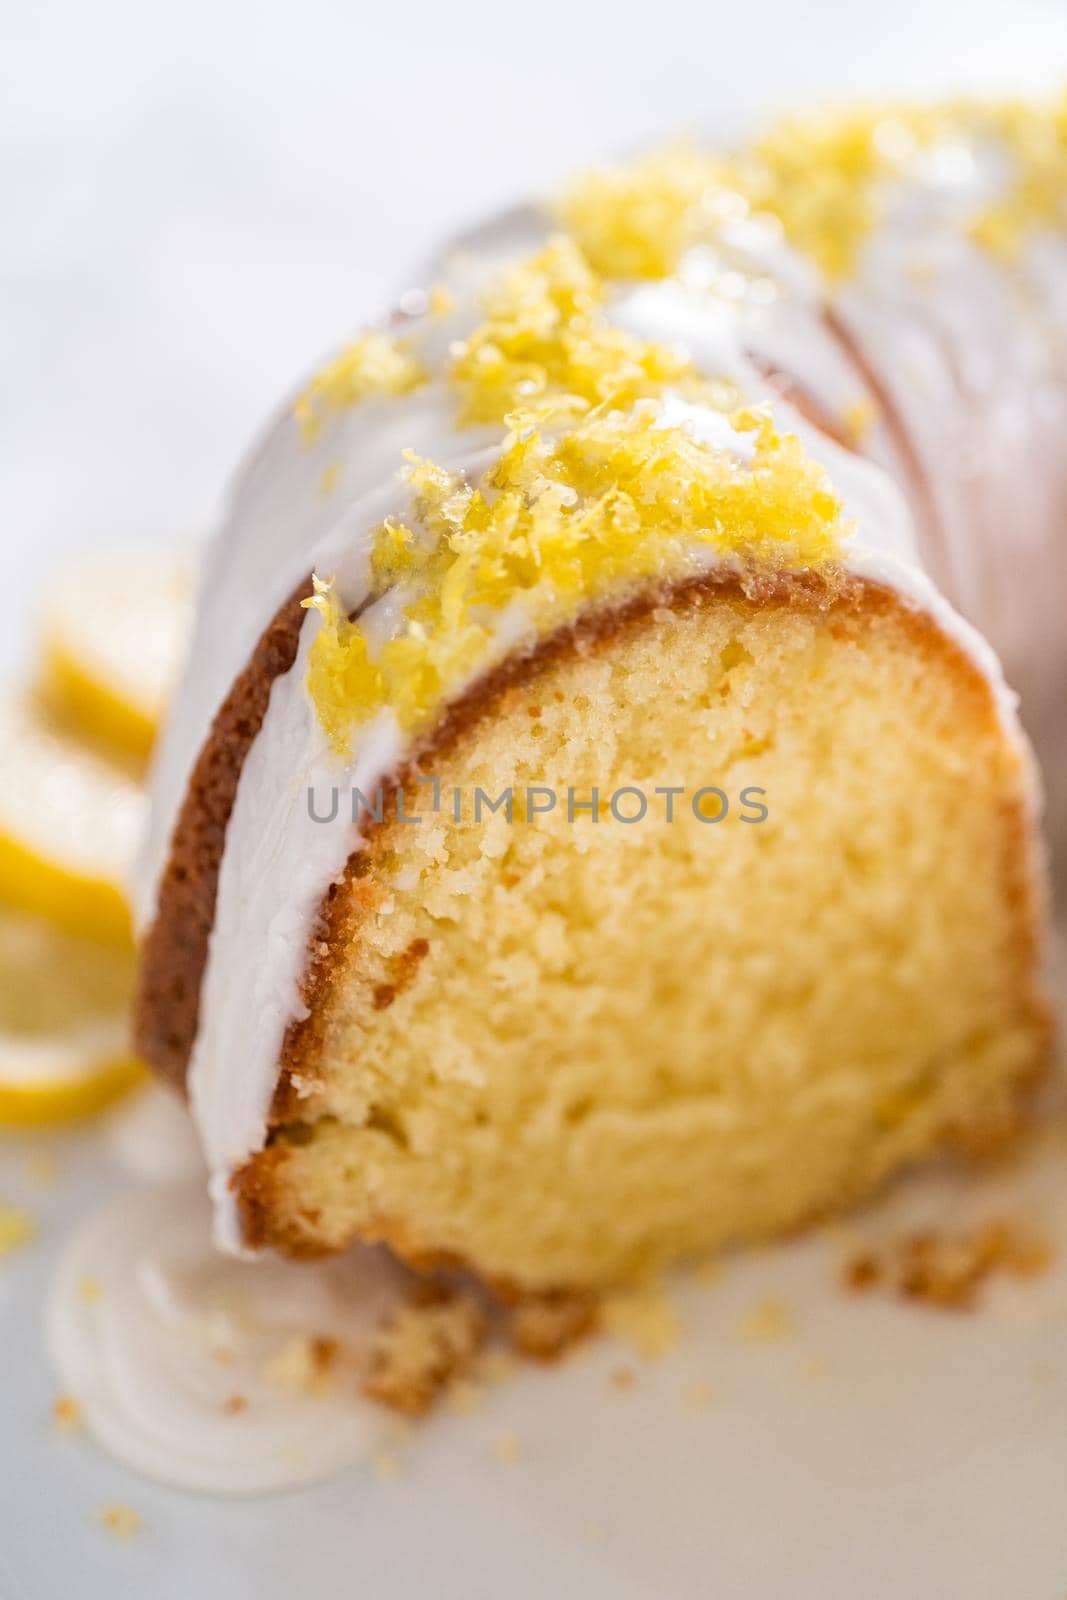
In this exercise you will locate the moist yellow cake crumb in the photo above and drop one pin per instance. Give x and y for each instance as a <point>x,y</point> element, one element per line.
<point>16,1229</point>
<point>550,1145</point>
<point>120,1519</point>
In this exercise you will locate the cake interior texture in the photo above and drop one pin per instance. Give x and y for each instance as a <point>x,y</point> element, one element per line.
<point>563,1052</point>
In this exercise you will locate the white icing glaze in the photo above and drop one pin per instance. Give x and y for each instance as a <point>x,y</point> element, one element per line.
<point>177,1356</point>
<point>960,348</point>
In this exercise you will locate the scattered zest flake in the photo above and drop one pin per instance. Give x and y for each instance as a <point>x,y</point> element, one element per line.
<point>826,179</point>
<point>375,363</point>
<point>120,1519</point>
<point>66,1413</point>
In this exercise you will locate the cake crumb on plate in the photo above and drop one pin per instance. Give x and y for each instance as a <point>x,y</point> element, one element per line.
<point>770,1322</point>
<point>120,1519</point>
<point>543,1327</point>
<point>506,1449</point>
<point>949,1270</point>
<point>302,1362</point>
<point>16,1229</point>
<point>645,1318</point>
<point>66,1413</point>
<point>423,1348</point>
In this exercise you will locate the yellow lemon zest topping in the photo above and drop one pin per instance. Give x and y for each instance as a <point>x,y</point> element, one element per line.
<point>547,339</point>
<point>375,363</point>
<point>821,177</point>
<point>558,522</point>
<point>1037,139</point>
<point>636,221</point>
<point>597,487</point>
<point>825,177</point>
<point>440,301</point>
<point>343,683</point>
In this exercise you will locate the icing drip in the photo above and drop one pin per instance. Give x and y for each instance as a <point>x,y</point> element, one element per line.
<point>209,1373</point>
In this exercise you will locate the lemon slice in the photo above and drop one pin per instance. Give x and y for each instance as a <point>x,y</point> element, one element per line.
<point>114,631</point>
<point>64,1026</point>
<point>70,824</point>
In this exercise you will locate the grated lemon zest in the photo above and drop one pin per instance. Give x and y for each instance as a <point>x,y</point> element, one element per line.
<point>375,363</point>
<point>548,341</point>
<point>560,521</point>
<point>825,178</point>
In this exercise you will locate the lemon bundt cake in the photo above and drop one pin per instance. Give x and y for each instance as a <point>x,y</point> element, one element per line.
<point>589,833</point>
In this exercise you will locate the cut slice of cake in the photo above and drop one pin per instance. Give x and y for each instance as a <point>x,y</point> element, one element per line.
<point>586,836</point>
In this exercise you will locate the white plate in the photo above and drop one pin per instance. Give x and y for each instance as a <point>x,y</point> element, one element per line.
<point>882,1449</point>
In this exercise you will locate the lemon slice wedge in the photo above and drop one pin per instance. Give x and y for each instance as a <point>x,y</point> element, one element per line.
<point>64,1025</point>
<point>70,824</point>
<point>114,631</point>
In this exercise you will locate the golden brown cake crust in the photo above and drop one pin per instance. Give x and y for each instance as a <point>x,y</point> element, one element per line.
<point>174,951</point>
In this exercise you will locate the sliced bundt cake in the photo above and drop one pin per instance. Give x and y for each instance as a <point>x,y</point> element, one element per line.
<point>586,836</point>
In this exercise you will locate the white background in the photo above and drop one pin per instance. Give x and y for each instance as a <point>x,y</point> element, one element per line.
<point>197,200</point>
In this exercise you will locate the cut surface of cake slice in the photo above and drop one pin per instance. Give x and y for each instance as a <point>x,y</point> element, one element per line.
<point>564,1051</point>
